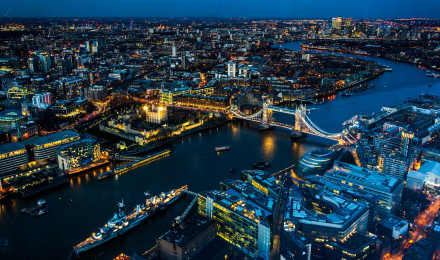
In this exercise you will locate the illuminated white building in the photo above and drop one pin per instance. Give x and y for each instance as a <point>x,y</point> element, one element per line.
<point>232,69</point>
<point>156,115</point>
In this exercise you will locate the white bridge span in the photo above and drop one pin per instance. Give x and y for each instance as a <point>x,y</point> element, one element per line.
<point>303,124</point>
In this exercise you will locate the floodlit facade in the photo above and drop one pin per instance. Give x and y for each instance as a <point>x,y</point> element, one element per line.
<point>156,115</point>
<point>78,154</point>
<point>240,222</point>
<point>12,155</point>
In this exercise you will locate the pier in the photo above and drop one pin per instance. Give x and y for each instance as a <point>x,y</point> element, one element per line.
<point>130,166</point>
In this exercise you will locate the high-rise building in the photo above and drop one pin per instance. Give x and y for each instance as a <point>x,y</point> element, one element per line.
<point>232,69</point>
<point>183,61</point>
<point>337,23</point>
<point>395,165</point>
<point>240,222</point>
<point>95,92</point>
<point>396,151</point>
<point>42,100</point>
<point>45,62</point>
<point>174,50</point>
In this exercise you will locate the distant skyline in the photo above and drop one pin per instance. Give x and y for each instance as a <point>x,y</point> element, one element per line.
<point>222,8</point>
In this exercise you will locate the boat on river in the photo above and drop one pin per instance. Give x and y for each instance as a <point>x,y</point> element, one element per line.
<point>121,222</point>
<point>222,148</point>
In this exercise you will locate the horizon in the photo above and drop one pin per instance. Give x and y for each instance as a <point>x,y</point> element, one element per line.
<point>218,17</point>
<point>308,9</point>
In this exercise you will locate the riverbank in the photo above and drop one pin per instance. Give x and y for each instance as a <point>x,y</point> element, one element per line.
<point>49,185</point>
<point>344,50</point>
<point>171,140</point>
<point>351,81</point>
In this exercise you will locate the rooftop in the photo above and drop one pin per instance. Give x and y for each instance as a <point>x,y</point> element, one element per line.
<point>251,193</point>
<point>11,113</point>
<point>219,98</point>
<point>364,177</point>
<point>239,204</point>
<point>430,166</point>
<point>193,227</point>
<point>263,178</point>
<point>392,222</point>
<point>344,209</point>
<point>56,137</point>
<point>10,147</point>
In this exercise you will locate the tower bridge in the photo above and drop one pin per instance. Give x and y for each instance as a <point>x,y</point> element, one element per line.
<point>303,124</point>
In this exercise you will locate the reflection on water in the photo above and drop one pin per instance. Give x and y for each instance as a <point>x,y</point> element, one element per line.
<point>298,149</point>
<point>235,130</point>
<point>268,146</point>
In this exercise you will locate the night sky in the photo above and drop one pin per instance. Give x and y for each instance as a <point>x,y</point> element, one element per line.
<point>221,8</point>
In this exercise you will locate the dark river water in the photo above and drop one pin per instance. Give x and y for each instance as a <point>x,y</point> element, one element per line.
<point>85,204</point>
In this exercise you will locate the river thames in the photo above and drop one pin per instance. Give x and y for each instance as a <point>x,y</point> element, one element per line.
<point>85,204</point>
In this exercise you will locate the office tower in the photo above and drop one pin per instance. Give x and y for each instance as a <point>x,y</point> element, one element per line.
<point>240,222</point>
<point>337,23</point>
<point>174,50</point>
<point>232,69</point>
<point>183,62</point>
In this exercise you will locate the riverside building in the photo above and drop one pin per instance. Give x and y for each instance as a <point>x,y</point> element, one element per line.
<point>12,155</point>
<point>78,154</point>
<point>46,147</point>
<point>240,222</point>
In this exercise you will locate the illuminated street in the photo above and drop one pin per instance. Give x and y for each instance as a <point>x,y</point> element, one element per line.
<point>418,232</point>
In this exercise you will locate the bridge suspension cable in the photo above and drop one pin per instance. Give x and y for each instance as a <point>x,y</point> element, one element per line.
<point>318,131</point>
<point>240,114</point>
<point>309,125</point>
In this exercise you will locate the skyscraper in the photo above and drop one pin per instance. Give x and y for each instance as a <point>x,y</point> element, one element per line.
<point>232,69</point>
<point>174,50</point>
<point>337,23</point>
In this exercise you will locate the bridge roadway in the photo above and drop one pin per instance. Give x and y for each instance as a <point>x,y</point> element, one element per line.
<point>309,126</point>
<point>282,110</point>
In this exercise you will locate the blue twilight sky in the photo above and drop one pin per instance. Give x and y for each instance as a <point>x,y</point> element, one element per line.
<point>221,8</point>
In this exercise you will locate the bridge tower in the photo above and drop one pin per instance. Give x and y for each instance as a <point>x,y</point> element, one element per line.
<point>300,113</point>
<point>265,117</point>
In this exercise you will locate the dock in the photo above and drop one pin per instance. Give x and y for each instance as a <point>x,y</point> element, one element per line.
<point>138,161</point>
